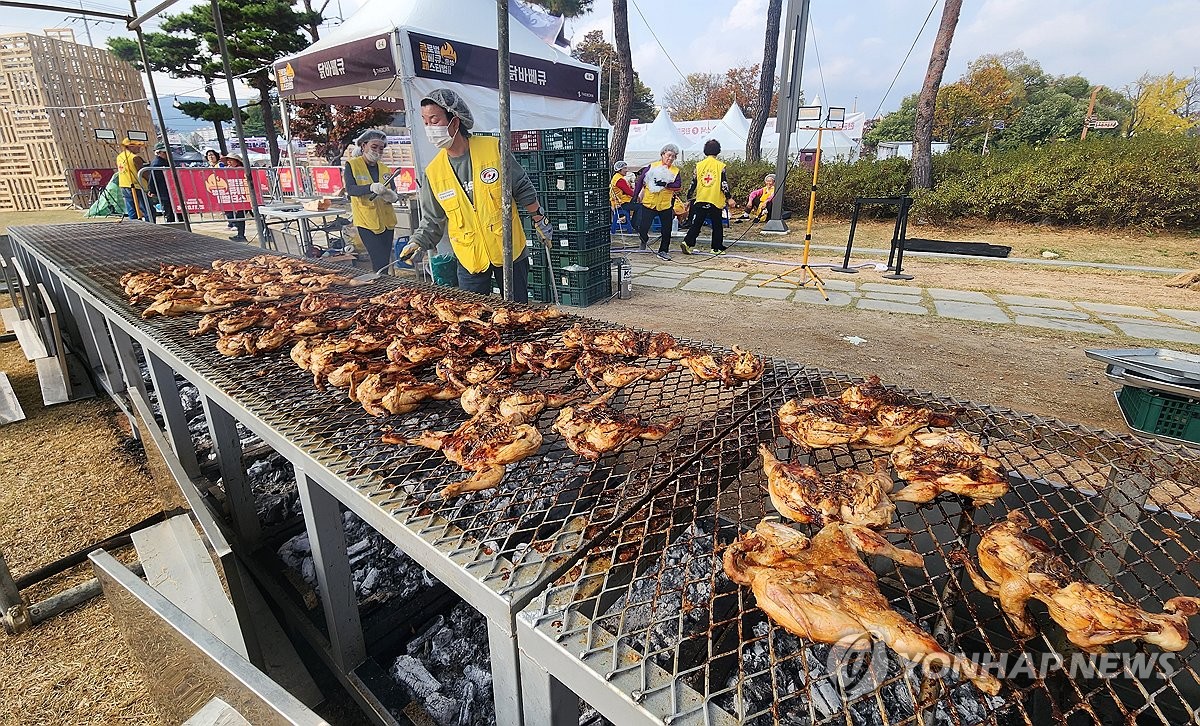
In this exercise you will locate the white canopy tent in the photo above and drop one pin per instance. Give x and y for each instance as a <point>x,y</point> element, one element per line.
<point>644,146</point>
<point>391,53</point>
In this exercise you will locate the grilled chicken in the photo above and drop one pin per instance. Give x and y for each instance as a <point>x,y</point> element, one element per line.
<point>254,342</point>
<point>593,429</point>
<point>320,302</point>
<point>470,338</point>
<point>662,345</point>
<point>803,494</point>
<point>623,341</point>
<point>459,311</point>
<point>395,392</point>
<point>1020,567</point>
<point>484,445</point>
<point>864,416</point>
<point>737,367</point>
<point>509,402</point>
<point>463,372</point>
<point>821,590</point>
<point>609,370</point>
<point>528,318</point>
<point>541,358</point>
<point>954,461</point>
<point>174,307</point>
<point>413,351</point>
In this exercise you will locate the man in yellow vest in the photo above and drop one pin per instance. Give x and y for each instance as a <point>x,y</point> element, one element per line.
<point>133,187</point>
<point>711,190</point>
<point>371,196</point>
<point>461,197</point>
<point>655,192</point>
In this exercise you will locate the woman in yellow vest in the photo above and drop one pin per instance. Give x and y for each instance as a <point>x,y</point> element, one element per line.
<point>655,192</point>
<point>461,197</point>
<point>133,186</point>
<point>370,199</point>
<point>711,190</point>
<point>758,205</point>
<point>620,193</point>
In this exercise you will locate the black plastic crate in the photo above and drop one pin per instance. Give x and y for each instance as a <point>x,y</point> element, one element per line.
<point>574,138</point>
<point>530,161</point>
<point>579,160</point>
<point>552,180</point>
<point>577,201</point>
<point>580,241</point>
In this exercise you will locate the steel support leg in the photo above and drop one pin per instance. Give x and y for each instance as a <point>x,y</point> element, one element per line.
<point>109,370</point>
<point>506,679</point>
<point>174,417</point>
<point>82,331</point>
<point>326,536</point>
<point>228,448</point>
<point>14,615</point>
<point>546,700</point>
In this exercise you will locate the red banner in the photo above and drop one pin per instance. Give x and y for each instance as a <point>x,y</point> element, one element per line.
<point>212,190</point>
<point>286,184</point>
<point>90,178</point>
<point>326,180</point>
<point>406,180</point>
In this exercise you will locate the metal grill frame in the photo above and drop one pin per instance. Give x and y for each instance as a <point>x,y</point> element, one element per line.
<point>1058,471</point>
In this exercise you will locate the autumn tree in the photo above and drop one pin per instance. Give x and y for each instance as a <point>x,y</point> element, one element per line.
<point>766,99</point>
<point>1157,104</point>
<point>330,128</point>
<point>691,98</point>
<point>596,50</point>
<point>922,160</point>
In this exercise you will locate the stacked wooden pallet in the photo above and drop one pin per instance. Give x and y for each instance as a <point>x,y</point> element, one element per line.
<point>44,136</point>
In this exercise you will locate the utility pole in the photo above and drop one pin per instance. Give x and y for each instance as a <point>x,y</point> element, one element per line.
<point>1088,119</point>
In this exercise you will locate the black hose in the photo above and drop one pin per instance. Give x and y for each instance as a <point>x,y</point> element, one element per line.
<point>120,539</point>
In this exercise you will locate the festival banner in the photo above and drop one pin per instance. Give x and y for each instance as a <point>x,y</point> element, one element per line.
<point>92,178</point>
<point>326,180</point>
<point>211,190</point>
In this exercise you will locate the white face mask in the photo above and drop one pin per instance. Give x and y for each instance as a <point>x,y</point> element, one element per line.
<point>439,136</point>
<point>372,156</point>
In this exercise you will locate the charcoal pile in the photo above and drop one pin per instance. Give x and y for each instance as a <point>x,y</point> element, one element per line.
<point>446,669</point>
<point>382,573</point>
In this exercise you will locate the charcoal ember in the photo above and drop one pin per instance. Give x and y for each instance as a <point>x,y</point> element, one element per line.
<point>443,710</point>
<point>412,674</point>
<point>481,678</point>
<point>369,581</point>
<point>454,649</point>
<point>417,644</point>
<point>189,397</point>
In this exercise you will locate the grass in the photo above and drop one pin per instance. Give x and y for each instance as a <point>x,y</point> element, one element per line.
<point>44,216</point>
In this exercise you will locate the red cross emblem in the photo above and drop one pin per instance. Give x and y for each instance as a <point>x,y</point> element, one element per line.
<point>708,179</point>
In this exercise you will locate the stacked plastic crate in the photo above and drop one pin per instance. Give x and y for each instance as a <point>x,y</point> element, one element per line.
<point>569,167</point>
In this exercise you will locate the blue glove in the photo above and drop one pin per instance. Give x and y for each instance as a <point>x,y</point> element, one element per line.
<point>542,225</point>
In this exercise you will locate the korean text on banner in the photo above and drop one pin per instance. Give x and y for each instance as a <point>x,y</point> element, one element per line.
<point>211,190</point>
<point>327,180</point>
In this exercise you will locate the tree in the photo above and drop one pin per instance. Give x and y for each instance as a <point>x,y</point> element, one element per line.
<point>758,123</point>
<point>1157,103</point>
<point>616,149</point>
<point>332,127</point>
<point>596,50</point>
<point>895,126</point>
<point>691,98</point>
<point>740,86</point>
<point>180,56</point>
<point>566,8</point>
<point>922,159</point>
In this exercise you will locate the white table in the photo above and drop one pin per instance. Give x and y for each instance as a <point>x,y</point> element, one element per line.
<point>294,213</point>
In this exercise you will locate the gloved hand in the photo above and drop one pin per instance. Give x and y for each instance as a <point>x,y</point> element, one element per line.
<point>409,250</point>
<point>378,189</point>
<point>542,225</point>
<point>389,196</point>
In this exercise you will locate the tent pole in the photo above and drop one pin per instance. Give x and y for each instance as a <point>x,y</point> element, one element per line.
<point>789,86</point>
<point>219,27</point>
<point>287,137</point>
<point>505,144</point>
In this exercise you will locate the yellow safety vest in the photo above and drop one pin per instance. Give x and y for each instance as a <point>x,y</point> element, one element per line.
<point>475,229</point>
<point>658,201</point>
<point>616,197</point>
<point>127,175</point>
<point>373,214</point>
<point>765,199</point>
<point>708,181</point>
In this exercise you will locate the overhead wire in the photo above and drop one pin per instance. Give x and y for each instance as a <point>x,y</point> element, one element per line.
<point>906,56</point>
<point>812,27</point>
<point>656,40</point>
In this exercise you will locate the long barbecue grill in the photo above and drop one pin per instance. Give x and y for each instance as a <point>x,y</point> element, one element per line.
<point>616,564</point>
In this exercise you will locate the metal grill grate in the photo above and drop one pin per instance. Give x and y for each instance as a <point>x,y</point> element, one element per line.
<point>650,612</point>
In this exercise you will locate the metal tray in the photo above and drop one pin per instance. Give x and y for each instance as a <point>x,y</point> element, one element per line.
<point>1164,364</point>
<point>1119,375</point>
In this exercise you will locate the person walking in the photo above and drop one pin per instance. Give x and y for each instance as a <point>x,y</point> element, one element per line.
<point>159,167</point>
<point>710,189</point>
<point>655,192</point>
<point>133,186</point>
<point>462,197</point>
<point>371,196</point>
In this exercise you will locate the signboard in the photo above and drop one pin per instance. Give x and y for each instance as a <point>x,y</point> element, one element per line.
<point>92,178</point>
<point>211,190</point>
<point>287,185</point>
<point>406,180</point>
<point>326,180</point>
<point>359,61</point>
<point>1103,124</point>
<point>475,65</point>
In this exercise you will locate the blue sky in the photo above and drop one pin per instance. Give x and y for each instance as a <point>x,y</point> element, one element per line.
<point>860,44</point>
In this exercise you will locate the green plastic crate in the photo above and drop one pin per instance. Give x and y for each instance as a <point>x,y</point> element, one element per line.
<point>530,161</point>
<point>581,160</point>
<point>577,201</point>
<point>583,258</point>
<point>574,138</point>
<point>581,220</point>
<point>551,181</point>
<point>583,297</point>
<point>580,241</point>
<point>1162,414</point>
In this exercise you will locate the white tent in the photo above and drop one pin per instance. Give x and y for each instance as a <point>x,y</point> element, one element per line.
<point>391,53</point>
<point>645,146</point>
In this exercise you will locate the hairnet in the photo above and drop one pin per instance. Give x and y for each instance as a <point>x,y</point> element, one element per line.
<point>370,135</point>
<point>669,147</point>
<point>453,105</point>
<point>619,166</point>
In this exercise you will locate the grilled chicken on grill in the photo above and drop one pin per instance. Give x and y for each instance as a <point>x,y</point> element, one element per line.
<point>623,341</point>
<point>459,311</point>
<point>953,461</point>
<point>484,445</point>
<point>414,351</point>
<point>593,429</point>
<point>821,590</point>
<point>865,416</point>
<point>803,494</point>
<point>320,302</point>
<point>174,307</point>
<point>138,285</point>
<point>509,402</point>
<point>528,318</point>
<point>463,372</point>
<point>350,373</point>
<point>1020,567</point>
<point>469,339</point>
<point>598,369</point>
<point>254,342</point>
<point>732,369</point>
<point>396,392</point>
<point>662,345</point>
<point>541,358</point>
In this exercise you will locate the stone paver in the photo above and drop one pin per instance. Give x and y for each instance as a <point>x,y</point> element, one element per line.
<point>1110,317</point>
<point>910,299</point>
<point>1132,311</point>
<point>1191,317</point>
<point>938,293</point>
<point>1038,302</point>
<point>840,284</point>
<point>1074,326</point>
<point>1154,331</point>
<point>703,284</point>
<point>1049,312</point>
<point>651,281</point>
<point>888,306</point>
<point>678,269</point>
<point>724,274</point>
<point>882,287</point>
<point>772,293</point>
<point>813,297</point>
<point>969,311</point>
